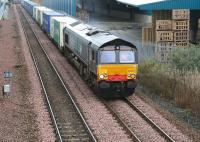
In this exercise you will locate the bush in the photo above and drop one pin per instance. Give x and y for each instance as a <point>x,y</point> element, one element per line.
<point>178,85</point>
<point>186,58</point>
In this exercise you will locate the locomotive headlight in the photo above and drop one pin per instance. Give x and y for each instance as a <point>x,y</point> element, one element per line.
<point>101,76</point>
<point>133,76</point>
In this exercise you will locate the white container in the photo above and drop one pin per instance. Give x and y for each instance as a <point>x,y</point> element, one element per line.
<point>39,10</point>
<point>35,12</point>
<point>57,26</point>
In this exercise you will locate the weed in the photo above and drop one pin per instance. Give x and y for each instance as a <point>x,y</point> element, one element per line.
<point>18,66</point>
<point>182,86</point>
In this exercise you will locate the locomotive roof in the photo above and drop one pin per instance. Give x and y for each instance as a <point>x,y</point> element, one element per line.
<point>91,34</point>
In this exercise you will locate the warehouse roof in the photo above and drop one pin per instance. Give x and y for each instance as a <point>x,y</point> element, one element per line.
<point>172,4</point>
<point>137,2</point>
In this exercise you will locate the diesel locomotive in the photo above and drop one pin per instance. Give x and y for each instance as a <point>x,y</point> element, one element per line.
<point>108,63</point>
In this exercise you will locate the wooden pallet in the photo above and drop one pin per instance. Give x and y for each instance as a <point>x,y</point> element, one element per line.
<point>163,25</point>
<point>164,36</point>
<point>83,15</point>
<point>199,24</point>
<point>146,36</point>
<point>198,36</point>
<point>181,44</point>
<point>164,46</point>
<point>181,25</point>
<point>181,36</point>
<point>181,14</point>
<point>163,56</point>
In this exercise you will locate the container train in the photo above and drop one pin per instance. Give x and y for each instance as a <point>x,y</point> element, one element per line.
<point>109,64</point>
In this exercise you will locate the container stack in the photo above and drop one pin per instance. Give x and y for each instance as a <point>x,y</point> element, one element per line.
<point>146,36</point>
<point>172,34</point>
<point>181,26</point>
<point>164,40</point>
<point>83,15</point>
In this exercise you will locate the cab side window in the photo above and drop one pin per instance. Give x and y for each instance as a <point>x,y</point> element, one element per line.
<point>92,56</point>
<point>66,38</point>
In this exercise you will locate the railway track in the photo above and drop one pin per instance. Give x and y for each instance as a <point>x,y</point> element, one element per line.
<point>68,121</point>
<point>122,122</point>
<point>141,114</point>
<point>147,119</point>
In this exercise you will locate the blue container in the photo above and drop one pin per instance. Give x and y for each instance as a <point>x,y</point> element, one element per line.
<point>47,20</point>
<point>28,5</point>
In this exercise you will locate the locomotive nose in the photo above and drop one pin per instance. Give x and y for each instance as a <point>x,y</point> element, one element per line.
<point>117,72</point>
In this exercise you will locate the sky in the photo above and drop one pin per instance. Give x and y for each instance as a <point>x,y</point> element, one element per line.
<point>138,2</point>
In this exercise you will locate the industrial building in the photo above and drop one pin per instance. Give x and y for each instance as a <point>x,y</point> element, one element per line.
<point>115,9</point>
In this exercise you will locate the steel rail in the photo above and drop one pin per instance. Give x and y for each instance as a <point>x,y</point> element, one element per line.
<point>131,133</point>
<point>66,89</point>
<point>154,125</point>
<point>42,83</point>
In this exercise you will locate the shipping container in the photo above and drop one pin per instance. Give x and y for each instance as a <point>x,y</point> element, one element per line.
<point>67,6</point>
<point>47,20</point>
<point>29,5</point>
<point>57,26</point>
<point>35,12</point>
<point>39,14</point>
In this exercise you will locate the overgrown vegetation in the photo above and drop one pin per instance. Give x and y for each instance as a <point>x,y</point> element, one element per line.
<point>186,58</point>
<point>178,81</point>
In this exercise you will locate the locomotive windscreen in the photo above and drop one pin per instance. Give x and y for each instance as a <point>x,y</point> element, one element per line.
<point>118,54</point>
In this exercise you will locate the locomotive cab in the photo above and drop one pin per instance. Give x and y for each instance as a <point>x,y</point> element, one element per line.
<point>117,67</point>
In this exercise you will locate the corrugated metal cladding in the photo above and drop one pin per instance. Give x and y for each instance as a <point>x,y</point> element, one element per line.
<point>67,6</point>
<point>172,4</point>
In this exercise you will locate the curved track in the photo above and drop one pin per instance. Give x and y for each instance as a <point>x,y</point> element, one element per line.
<point>68,121</point>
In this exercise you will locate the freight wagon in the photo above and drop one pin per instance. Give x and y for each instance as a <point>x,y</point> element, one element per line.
<point>47,16</point>
<point>57,26</point>
<point>39,14</point>
<point>35,12</point>
<point>29,5</point>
